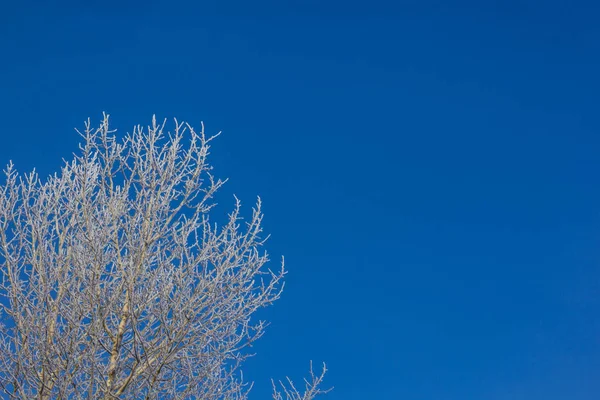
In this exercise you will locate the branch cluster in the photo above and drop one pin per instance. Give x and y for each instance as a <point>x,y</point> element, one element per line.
<point>115,284</point>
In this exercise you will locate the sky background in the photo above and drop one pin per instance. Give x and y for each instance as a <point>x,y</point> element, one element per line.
<point>429,170</point>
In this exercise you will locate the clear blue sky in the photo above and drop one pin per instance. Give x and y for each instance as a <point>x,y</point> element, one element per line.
<point>429,170</point>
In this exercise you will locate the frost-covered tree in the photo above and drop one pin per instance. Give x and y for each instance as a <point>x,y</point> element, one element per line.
<point>115,284</point>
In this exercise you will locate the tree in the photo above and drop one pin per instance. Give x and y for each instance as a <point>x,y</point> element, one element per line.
<point>115,284</point>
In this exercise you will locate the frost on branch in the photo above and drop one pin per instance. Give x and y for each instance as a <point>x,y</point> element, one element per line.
<point>283,391</point>
<point>114,282</point>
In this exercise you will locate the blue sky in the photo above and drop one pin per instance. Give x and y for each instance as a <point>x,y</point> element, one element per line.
<point>429,170</point>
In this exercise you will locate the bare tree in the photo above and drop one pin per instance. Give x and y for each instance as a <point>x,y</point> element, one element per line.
<point>114,283</point>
